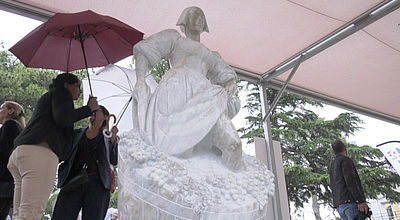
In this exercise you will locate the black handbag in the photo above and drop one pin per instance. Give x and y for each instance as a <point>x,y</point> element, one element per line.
<point>77,181</point>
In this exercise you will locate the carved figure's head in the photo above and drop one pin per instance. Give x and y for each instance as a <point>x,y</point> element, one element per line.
<point>192,19</point>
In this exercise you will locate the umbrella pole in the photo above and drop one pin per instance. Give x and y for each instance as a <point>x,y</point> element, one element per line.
<point>123,111</point>
<point>84,57</point>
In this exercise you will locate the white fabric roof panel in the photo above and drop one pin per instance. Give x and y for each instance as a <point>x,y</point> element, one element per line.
<point>258,35</point>
<point>337,73</point>
<point>253,35</point>
<point>363,69</point>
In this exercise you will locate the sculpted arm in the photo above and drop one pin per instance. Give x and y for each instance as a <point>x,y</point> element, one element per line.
<point>233,101</point>
<point>142,65</point>
<point>147,53</point>
<point>223,75</point>
<point>150,51</point>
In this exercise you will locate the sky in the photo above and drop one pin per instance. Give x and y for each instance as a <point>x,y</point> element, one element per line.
<point>374,132</point>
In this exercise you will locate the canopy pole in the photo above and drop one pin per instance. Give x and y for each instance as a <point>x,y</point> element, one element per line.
<point>84,57</point>
<point>275,102</point>
<point>266,110</point>
<point>276,206</point>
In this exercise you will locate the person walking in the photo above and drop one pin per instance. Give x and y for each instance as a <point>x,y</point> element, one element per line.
<point>13,121</point>
<point>46,140</point>
<point>347,191</point>
<point>91,149</point>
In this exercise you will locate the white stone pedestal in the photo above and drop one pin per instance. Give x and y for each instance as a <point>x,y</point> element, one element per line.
<point>156,186</point>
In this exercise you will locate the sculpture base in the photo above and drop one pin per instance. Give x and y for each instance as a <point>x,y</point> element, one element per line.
<point>153,185</point>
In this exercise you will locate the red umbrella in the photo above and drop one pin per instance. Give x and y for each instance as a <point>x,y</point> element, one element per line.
<point>75,41</point>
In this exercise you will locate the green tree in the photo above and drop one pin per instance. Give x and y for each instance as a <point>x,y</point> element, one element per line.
<point>305,140</point>
<point>114,196</point>
<point>26,85</point>
<point>114,199</point>
<point>51,202</point>
<point>159,69</point>
<point>21,84</point>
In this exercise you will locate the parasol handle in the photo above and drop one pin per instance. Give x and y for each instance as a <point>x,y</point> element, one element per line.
<point>106,132</point>
<point>84,57</point>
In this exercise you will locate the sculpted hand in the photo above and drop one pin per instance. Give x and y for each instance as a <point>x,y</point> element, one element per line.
<point>233,106</point>
<point>141,97</point>
<point>141,91</point>
<point>363,207</point>
<point>231,88</point>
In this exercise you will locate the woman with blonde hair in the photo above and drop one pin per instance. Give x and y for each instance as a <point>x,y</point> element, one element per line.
<point>12,120</point>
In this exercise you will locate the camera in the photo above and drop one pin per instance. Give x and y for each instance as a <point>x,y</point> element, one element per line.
<point>363,216</point>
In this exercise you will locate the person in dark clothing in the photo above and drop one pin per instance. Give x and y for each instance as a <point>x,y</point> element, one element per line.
<point>12,120</point>
<point>347,192</point>
<point>95,151</point>
<point>46,140</point>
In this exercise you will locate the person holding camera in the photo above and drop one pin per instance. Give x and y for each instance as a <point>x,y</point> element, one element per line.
<point>95,150</point>
<point>347,192</point>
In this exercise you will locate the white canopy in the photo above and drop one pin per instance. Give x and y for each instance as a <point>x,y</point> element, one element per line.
<point>360,72</point>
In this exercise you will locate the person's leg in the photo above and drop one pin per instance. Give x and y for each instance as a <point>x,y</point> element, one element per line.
<point>96,200</point>
<point>341,210</point>
<point>352,211</point>
<point>37,166</point>
<point>5,205</point>
<point>348,211</point>
<point>68,205</point>
<point>17,181</point>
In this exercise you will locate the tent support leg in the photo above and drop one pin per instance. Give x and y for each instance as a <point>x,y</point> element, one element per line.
<point>276,207</point>
<point>266,111</point>
<point>275,102</point>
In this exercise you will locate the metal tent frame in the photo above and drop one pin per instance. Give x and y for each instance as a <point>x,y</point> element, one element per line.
<point>268,79</point>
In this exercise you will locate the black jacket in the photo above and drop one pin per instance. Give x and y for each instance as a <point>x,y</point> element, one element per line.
<point>103,166</point>
<point>53,121</point>
<point>8,132</point>
<point>345,182</point>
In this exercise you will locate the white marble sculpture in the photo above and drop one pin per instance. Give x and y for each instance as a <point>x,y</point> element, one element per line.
<point>192,101</point>
<point>183,159</point>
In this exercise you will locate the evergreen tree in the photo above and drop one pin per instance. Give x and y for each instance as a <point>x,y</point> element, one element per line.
<point>306,148</point>
<point>21,84</point>
<point>27,85</point>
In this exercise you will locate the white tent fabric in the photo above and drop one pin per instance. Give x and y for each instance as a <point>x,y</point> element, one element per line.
<point>362,70</point>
